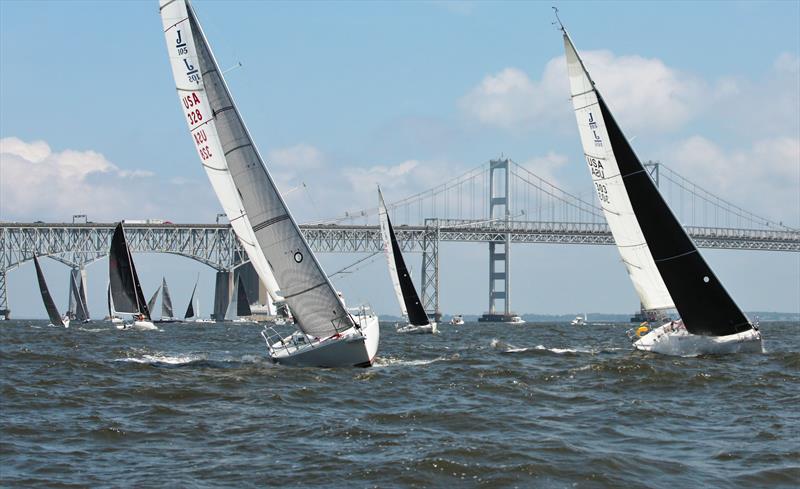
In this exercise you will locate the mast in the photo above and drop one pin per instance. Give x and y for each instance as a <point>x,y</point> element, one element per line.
<point>404,286</point>
<point>49,305</point>
<point>662,259</point>
<point>224,144</point>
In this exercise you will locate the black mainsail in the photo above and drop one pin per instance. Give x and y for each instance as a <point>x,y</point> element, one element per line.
<point>704,305</point>
<point>242,302</point>
<point>77,292</point>
<point>166,300</point>
<point>49,305</point>
<point>126,291</point>
<point>397,267</point>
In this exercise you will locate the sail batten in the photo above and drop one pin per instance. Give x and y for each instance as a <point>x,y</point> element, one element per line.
<point>49,304</point>
<point>669,271</point>
<point>221,137</point>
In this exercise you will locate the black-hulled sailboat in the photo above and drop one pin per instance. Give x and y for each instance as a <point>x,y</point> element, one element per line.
<point>52,311</point>
<point>663,262</point>
<point>407,297</point>
<point>125,289</point>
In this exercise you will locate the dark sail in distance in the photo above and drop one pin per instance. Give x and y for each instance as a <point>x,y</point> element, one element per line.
<point>126,291</point>
<point>166,300</point>
<point>190,309</point>
<point>49,305</point>
<point>242,302</point>
<point>416,313</point>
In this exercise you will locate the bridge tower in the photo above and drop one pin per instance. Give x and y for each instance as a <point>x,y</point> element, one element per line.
<point>499,250</point>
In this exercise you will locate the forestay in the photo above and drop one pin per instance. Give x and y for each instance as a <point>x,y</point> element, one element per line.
<point>181,48</point>
<point>223,142</point>
<point>610,188</point>
<point>650,238</point>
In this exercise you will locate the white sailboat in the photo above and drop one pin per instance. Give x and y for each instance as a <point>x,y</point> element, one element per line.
<point>329,335</point>
<point>239,308</point>
<point>125,289</point>
<point>50,306</point>
<point>665,266</point>
<point>407,297</point>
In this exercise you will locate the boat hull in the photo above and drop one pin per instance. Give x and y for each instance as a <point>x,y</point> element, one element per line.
<point>353,348</point>
<point>673,339</point>
<point>138,326</point>
<point>431,328</point>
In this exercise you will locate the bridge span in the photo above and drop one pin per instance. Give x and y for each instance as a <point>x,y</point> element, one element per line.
<point>79,244</point>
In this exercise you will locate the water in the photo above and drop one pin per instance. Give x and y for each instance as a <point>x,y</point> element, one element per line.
<point>476,406</point>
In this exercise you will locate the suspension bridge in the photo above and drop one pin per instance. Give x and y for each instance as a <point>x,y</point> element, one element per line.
<point>498,203</point>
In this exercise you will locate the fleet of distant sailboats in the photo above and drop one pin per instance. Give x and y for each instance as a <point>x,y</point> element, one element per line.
<point>666,268</point>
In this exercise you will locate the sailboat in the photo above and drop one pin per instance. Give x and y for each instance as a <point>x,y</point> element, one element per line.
<point>239,308</point>
<point>167,314</point>
<point>579,320</point>
<point>407,297</point>
<point>126,291</point>
<point>665,266</point>
<point>77,297</point>
<point>52,311</point>
<point>151,304</point>
<point>328,334</point>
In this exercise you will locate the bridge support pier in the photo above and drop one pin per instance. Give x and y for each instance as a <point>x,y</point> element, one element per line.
<point>499,250</point>
<point>5,312</point>
<point>430,269</point>
<point>222,294</point>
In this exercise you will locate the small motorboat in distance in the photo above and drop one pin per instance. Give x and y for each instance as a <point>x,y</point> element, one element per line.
<point>457,320</point>
<point>579,321</point>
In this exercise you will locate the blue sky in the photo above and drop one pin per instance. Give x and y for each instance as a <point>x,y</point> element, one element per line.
<point>342,95</point>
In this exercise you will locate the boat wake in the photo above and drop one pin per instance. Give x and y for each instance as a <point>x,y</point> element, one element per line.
<point>382,362</point>
<point>509,348</point>
<point>192,360</point>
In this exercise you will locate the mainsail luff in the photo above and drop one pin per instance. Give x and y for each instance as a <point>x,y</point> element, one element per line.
<point>166,300</point>
<point>126,291</point>
<point>406,293</point>
<point>219,133</point>
<point>49,305</point>
<point>215,167</point>
<point>704,305</point>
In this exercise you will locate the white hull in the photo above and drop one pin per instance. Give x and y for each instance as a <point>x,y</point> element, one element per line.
<point>352,348</point>
<point>431,328</point>
<point>138,326</point>
<point>516,320</point>
<point>65,321</point>
<point>203,320</point>
<point>673,339</point>
<point>457,321</point>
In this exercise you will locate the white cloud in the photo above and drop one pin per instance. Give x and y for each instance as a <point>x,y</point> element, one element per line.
<point>763,178</point>
<point>37,183</point>
<point>298,157</point>
<point>644,93</point>
<point>546,166</point>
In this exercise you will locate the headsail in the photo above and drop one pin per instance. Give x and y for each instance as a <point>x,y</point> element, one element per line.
<point>49,305</point>
<point>664,264</point>
<point>181,46</point>
<point>225,147</point>
<point>407,295</point>
<point>166,300</point>
<point>242,302</point>
<point>126,291</point>
<point>151,304</point>
<point>190,310</point>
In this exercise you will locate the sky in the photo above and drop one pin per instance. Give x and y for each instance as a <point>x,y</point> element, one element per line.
<point>343,95</point>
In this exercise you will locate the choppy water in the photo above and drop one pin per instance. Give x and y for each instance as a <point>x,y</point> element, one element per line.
<point>476,406</point>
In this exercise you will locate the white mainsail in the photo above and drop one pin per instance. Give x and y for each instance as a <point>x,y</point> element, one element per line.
<point>389,252</point>
<point>226,148</point>
<point>180,43</point>
<point>610,188</point>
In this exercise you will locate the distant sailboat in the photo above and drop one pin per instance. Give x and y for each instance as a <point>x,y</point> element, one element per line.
<point>665,266</point>
<point>126,291</point>
<point>78,295</point>
<point>329,335</point>
<point>407,297</point>
<point>112,316</point>
<point>239,308</point>
<point>167,314</point>
<point>151,304</point>
<point>52,311</point>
